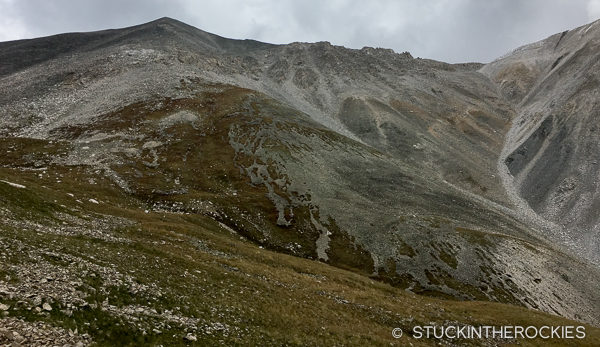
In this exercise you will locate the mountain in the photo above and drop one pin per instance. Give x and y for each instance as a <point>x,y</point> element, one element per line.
<point>551,151</point>
<point>150,172</point>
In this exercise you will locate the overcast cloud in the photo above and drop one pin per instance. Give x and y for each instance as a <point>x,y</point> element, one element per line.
<point>448,30</point>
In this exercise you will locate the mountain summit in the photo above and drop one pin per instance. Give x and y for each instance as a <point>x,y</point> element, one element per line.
<point>149,172</point>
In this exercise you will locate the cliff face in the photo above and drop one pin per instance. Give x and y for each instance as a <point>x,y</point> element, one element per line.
<point>552,148</point>
<point>396,168</point>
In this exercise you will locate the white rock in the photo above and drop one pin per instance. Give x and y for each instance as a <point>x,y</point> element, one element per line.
<point>190,337</point>
<point>20,186</point>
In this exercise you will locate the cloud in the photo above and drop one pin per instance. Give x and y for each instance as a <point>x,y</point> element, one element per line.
<point>593,9</point>
<point>11,26</point>
<point>449,30</point>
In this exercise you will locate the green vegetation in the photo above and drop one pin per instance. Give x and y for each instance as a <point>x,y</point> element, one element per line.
<point>259,296</point>
<point>159,262</point>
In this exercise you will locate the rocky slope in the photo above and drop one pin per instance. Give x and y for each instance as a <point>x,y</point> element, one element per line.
<point>368,160</point>
<point>552,149</point>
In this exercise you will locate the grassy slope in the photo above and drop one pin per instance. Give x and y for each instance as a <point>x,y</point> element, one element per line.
<point>207,273</point>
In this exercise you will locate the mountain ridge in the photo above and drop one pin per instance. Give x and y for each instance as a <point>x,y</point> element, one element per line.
<point>393,167</point>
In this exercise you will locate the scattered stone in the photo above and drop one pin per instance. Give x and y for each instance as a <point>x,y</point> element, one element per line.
<point>20,186</point>
<point>190,337</point>
<point>17,332</point>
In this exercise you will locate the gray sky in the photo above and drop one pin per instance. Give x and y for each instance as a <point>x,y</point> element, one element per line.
<point>448,30</point>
